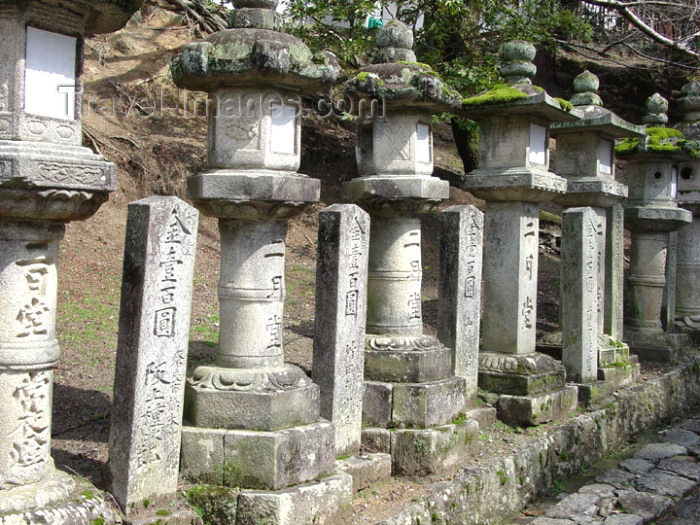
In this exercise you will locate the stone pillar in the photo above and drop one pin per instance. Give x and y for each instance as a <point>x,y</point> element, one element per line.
<point>252,420</point>
<point>687,318</point>
<point>650,214</point>
<point>459,300</point>
<point>669,300</point>
<point>149,381</point>
<point>586,158</point>
<point>409,383</point>
<point>510,282</point>
<point>513,177</point>
<point>339,326</point>
<point>47,179</point>
<point>614,271</point>
<point>579,305</point>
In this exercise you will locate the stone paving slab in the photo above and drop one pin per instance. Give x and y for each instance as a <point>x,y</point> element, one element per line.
<point>679,436</point>
<point>641,489</point>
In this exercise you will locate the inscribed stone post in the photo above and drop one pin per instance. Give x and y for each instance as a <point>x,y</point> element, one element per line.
<point>670,291</point>
<point>154,324</point>
<point>341,310</point>
<point>459,305</point>
<point>579,305</point>
<point>511,245</point>
<point>614,271</point>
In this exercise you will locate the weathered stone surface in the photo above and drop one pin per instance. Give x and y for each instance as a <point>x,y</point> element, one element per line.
<point>154,322</point>
<point>513,184</point>
<point>366,469</point>
<point>485,416</point>
<point>459,303</point>
<point>684,438</point>
<point>658,451</point>
<point>616,477</point>
<point>689,508</point>
<point>648,506</point>
<point>533,410</point>
<point>427,404</point>
<point>623,519</point>
<point>665,483</point>
<point>595,395</point>
<point>257,409</point>
<point>324,502</point>
<point>268,460</point>
<point>637,466</point>
<point>614,271</point>
<point>406,360</point>
<point>235,58</point>
<point>543,520</point>
<point>339,326</point>
<point>202,455</point>
<point>377,403</point>
<point>431,451</point>
<point>603,490</point>
<point>231,186</point>
<point>579,304</point>
<point>585,504</point>
<point>585,438</point>
<point>272,460</point>
<point>510,277</point>
<point>376,440</point>
<point>82,505</point>
<point>692,424</point>
<point>685,467</point>
<point>521,375</point>
<point>669,301</point>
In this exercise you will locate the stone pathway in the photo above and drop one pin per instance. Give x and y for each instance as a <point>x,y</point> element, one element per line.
<point>661,479</point>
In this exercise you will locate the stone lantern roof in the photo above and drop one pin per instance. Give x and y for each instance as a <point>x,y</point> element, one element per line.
<point>253,52</point>
<point>658,139</point>
<point>397,78</point>
<point>106,16</point>
<point>517,95</point>
<point>101,16</point>
<point>594,117</point>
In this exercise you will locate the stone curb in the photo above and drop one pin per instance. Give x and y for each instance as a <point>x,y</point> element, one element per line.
<point>488,494</point>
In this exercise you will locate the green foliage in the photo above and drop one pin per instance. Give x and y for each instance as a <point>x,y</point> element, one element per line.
<point>458,39</point>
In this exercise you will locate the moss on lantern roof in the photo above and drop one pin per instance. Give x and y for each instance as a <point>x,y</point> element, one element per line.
<point>657,139</point>
<point>403,82</point>
<point>565,104</point>
<point>502,94</point>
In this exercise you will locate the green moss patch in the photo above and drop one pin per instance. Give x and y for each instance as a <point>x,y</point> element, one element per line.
<point>565,104</point>
<point>657,139</point>
<point>498,94</point>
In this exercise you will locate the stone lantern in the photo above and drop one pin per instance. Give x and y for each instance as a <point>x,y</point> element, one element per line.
<point>585,157</point>
<point>651,213</point>
<point>252,420</point>
<point>47,179</point>
<point>513,177</point>
<point>687,315</point>
<point>409,380</point>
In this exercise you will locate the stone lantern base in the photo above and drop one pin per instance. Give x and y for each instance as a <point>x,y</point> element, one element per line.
<point>58,498</point>
<point>531,387</point>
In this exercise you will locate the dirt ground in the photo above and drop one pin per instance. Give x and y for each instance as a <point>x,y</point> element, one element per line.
<point>129,117</point>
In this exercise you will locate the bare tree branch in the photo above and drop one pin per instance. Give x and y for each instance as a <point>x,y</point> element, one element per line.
<point>625,9</point>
